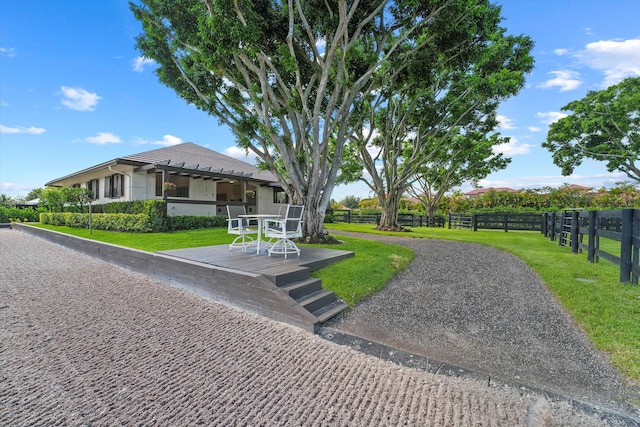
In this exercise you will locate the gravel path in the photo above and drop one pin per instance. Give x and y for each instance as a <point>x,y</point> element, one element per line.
<point>85,343</point>
<point>485,310</point>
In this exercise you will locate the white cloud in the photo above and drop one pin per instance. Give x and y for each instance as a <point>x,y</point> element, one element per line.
<point>534,129</point>
<point>140,62</point>
<point>504,122</point>
<point>617,59</point>
<point>3,103</point>
<point>561,52</point>
<point>103,138</point>
<point>7,51</point>
<point>168,140</point>
<point>565,80</point>
<point>512,148</point>
<point>21,129</point>
<point>555,181</point>
<point>79,99</point>
<point>551,116</point>
<point>241,154</point>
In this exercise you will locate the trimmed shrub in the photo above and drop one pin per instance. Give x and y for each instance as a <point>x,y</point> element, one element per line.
<point>139,223</point>
<point>187,222</point>
<point>19,214</point>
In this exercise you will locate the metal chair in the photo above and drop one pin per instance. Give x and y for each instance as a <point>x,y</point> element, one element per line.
<point>283,230</point>
<point>240,226</point>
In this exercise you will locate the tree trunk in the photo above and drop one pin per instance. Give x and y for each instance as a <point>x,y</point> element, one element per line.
<point>313,225</point>
<point>389,218</point>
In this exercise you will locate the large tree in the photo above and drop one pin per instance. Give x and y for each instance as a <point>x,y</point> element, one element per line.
<point>284,75</point>
<point>604,126</point>
<point>467,158</point>
<point>450,89</point>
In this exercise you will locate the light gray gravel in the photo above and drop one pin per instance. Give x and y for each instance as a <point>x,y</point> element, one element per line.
<point>86,343</point>
<point>485,310</point>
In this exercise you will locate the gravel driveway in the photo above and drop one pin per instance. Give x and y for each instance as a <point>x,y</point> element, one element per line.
<point>483,309</point>
<point>85,343</point>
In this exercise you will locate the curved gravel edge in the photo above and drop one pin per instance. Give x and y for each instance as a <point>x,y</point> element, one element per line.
<point>485,310</point>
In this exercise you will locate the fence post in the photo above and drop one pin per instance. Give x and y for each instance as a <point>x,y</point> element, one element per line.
<point>474,222</point>
<point>591,250</point>
<point>552,234</point>
<point>575,228</point>
<point>505,222</point>
<point>626,241</point>
<point>349,216</point>
<point>449,219</point>
<point>544,224</point>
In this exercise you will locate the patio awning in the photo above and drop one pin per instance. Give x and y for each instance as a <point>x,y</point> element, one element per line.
<point>195,171</point>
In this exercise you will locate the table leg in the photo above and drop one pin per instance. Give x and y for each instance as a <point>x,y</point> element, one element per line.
<point>259,235</point>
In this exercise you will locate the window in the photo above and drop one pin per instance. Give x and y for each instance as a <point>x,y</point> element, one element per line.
<point>279,196</point>
<point>181,182</point>
<point>114,186</point>
<point>94,187</point>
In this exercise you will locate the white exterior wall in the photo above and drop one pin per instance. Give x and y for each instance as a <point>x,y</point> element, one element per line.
<point>142,186</point>
<point>136,186</point>
<point>177,209</point>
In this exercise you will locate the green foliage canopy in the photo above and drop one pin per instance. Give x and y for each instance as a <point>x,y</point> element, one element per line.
<point>604,126</point>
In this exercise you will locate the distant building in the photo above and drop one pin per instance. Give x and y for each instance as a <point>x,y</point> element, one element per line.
<point>480,191</point>
<point>577,187</point>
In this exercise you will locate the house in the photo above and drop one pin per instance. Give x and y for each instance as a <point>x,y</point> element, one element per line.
<point>480,191</point>
<point>204,181</point>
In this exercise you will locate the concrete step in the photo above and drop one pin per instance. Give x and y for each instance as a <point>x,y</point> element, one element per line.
<point>331,310</point>
<point>315,301</point>
<point>300,289</point>
<point>284,275</point>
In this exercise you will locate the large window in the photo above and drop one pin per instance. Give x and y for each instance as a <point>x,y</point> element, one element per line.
<point>94,187</point>
<point>229,192</point>
<point>181,182</point>
<point>114,186</point>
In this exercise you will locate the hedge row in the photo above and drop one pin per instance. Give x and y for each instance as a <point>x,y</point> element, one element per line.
<point>18,215</point>
<point>115,222</point>
<point>190,222</point>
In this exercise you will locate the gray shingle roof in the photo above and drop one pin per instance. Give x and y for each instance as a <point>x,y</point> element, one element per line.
<point>191,155</point>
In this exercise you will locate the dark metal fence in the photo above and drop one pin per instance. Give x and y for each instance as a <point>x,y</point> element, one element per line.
<point>496,221</point>
<point>405,220</point>
<point>583,230</point>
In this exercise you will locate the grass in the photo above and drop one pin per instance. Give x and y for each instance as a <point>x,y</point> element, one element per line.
<point>608,311</point>
<point>369,271</point>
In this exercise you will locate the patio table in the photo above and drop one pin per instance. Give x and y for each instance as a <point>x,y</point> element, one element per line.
<point>260,219</point>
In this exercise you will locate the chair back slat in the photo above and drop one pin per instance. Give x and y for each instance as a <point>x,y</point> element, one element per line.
<point>234,212</point>
<point>294,217</point>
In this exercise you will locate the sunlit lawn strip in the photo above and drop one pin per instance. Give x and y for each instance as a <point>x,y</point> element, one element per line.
<point>369,271</point>
<point>607,310</point>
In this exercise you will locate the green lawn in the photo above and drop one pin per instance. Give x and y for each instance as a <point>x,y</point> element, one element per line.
<point>608,311</point>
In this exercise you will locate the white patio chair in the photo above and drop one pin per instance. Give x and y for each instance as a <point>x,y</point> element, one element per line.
<point>282,230</point>
<point>240,226</point>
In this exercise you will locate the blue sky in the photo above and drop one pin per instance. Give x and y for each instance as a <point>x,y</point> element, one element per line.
<point>74,91</point>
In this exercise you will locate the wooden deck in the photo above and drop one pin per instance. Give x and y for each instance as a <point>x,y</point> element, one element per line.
<point>220,256</point>
<point>290,276</point>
